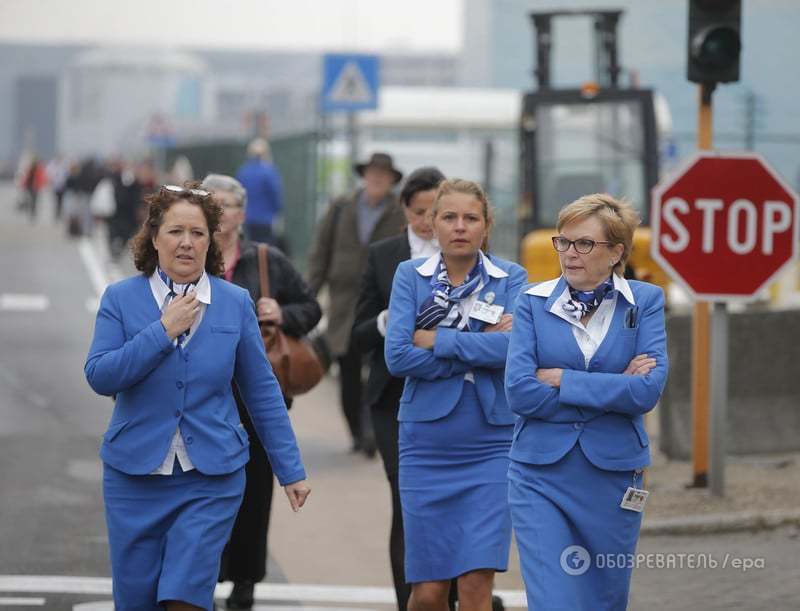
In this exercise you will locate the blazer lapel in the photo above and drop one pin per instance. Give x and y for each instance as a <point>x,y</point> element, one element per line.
<point>564,326</point>
<point>613,330</point>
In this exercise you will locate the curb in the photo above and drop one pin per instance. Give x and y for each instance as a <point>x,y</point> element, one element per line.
<point>721,523</point>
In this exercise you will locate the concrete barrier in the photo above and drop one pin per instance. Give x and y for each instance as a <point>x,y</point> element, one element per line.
<point>764,384</point>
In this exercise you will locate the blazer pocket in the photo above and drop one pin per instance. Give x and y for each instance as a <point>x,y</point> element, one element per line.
<point>114,430</point>
<point>240,433</point>
<point>224,329</point>
<point>409,390</point>
<point>644,440</point>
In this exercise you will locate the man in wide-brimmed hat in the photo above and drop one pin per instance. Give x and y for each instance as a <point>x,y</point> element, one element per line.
<point>338,257</point>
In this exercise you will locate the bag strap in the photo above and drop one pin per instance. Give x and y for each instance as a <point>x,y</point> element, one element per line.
<point>263,270</point>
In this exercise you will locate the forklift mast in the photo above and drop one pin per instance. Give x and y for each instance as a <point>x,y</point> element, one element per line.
<point>595,138</point>
<point>605,37</point>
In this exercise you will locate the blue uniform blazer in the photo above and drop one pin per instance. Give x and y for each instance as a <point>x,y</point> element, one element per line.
<point>435,378</point>
<point>600,407</point>
<point>159,387</point>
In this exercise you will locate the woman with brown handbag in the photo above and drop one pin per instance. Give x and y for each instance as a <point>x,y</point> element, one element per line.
<point>291,307</point>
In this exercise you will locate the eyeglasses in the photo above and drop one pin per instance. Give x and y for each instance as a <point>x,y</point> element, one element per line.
<point>582,245</point>
<point>177,190</point>
<point>227,206</point>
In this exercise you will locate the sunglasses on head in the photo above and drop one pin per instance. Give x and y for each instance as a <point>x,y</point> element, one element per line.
<point>178,190</point>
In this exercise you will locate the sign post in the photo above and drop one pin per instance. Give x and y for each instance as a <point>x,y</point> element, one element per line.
<point>724,226</point>
<point>350,83</point>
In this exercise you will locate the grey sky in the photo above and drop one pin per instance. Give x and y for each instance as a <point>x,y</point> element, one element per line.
<point>362,25</point>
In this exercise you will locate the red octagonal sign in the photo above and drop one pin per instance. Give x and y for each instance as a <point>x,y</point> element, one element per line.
<point>724,225</point>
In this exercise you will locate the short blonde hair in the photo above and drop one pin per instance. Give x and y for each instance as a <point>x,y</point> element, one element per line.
<point>467,187</point>
<point>618,217</point>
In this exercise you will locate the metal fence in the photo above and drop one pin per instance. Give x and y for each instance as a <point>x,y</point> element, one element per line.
<point>296,159</point>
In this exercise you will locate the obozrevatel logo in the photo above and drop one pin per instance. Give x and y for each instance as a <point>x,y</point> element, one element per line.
<point>575,560</point>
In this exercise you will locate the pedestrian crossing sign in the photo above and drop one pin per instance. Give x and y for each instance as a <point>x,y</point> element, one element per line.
<point>350,82</point>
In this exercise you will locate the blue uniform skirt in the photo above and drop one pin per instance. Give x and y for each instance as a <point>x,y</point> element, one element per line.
<point>453,490</point>
<point>166,534</point>
<point>576,544</point>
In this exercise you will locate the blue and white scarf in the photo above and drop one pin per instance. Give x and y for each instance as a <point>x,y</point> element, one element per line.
<point>582,303</point>
<point>441,308</point>
<point>174,291</point>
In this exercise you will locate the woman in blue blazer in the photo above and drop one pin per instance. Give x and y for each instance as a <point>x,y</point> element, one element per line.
<point>447,334</point>
<point>167,346</point>
<point>587,359</point>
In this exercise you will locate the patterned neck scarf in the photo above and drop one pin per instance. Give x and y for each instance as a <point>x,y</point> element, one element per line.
<point>441,308</point>
<point>174,291</point>
<point>582,303</point>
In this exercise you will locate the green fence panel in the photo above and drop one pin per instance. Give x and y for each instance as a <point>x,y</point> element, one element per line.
<point>296,159</point>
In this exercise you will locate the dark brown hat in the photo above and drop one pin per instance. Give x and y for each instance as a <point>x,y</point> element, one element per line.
<point>382,161</point>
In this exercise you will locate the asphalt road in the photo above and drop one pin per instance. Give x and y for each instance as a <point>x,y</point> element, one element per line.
<point>53,546</point>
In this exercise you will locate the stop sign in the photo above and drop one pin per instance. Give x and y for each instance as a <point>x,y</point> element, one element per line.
<point>724,225</point>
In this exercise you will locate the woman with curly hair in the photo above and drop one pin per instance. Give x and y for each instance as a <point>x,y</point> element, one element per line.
<point>167,345</point>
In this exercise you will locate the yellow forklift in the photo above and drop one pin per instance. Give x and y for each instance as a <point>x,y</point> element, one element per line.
<point>596,138</point>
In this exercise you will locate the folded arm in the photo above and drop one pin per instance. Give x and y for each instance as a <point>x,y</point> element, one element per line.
<point>403,358</point>
<point>486,349</point>
<point>621,392</point>
<point>527,396</point>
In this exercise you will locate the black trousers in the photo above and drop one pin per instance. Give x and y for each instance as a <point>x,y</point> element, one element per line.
<point>384,422</point>
<point>245,556</point>
<point>351,392</point>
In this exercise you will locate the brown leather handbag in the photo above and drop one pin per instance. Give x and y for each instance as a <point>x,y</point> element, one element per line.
<point>293,359</point>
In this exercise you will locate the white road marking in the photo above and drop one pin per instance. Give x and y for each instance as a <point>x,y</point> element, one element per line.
<point>18,302</point>
<point>22,602</point>
<point>93,266</point>
<point>92,304</point>
<point>55,584</point>
<point>10,379</point>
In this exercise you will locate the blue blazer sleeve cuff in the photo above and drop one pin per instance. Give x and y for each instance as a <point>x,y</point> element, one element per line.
<point>445,344</point>
<point>293,477</point>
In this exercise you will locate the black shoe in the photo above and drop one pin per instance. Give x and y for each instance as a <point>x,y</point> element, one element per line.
<point>241,596</point>
<point>497,604</point>
<point>368,447</point>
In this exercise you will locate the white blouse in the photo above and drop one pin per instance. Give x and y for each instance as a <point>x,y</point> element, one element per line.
<point>177,449</point>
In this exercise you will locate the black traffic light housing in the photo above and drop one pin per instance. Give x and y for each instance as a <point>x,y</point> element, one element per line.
<point>714,40</point>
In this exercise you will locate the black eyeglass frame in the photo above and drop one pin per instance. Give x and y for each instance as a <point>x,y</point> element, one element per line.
<point>574,243</point>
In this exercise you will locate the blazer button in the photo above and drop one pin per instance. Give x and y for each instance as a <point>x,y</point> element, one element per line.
<point>189,440</point>
<point>179,384</point>
<point>577,425</point>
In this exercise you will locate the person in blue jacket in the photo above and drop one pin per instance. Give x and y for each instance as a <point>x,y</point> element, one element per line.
<point>587,359</point>
<point>167,345</point>
<point>264,188</point>
<point>447,334</point>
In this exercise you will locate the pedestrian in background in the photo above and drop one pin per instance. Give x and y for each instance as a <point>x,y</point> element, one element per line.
<point>382,395</point>
<point>57,173</point>
<point>293,307</point>
<point>448,328</point>
<point>338,259</point>
<point>167,346</point>
<point>264,188</point>
<point>587,359</point>
<point>34,181</point>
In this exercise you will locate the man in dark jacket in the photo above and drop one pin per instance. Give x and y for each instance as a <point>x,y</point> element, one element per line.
<point>338,258</point>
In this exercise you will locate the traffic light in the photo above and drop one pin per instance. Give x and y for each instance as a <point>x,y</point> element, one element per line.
<point>714,40</point>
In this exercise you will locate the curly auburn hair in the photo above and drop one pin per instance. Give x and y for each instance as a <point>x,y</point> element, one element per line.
<point>145,256</point>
